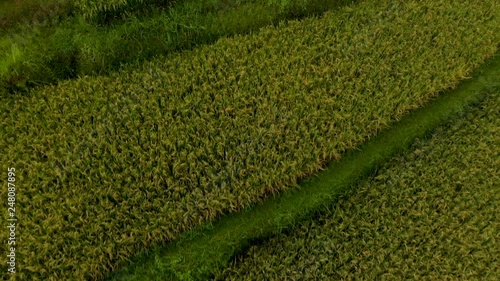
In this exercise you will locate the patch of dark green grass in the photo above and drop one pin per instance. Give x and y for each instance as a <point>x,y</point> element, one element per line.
<point>31,14</point>
<point>140,156</point>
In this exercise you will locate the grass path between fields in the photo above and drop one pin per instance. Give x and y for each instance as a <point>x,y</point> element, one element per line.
<point>199,253</point>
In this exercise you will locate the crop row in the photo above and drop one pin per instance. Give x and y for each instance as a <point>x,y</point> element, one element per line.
<point>431,214</point>
<point>113,165</point>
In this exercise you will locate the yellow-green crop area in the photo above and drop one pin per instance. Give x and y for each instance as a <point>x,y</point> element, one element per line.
<point>431,214</point>
<point>109,166</point>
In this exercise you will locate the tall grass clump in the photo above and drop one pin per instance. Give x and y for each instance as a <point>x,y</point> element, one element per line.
<point>113,165</point>
<point>431,214</point>
<point>202,252</point>
<point>37,58</point>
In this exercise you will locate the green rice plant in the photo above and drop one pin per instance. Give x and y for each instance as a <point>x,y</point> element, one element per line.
<point>112,165</point>
<point>42,62</point>
<point>286,6</point>
<point>431,214</point>
<point>6,46</point>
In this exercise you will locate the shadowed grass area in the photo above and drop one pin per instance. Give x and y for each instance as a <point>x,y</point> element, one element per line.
<point>432,214</point>
<point>108,11</point>
<point>200,253</point>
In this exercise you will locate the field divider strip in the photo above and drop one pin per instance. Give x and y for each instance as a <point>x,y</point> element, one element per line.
<point>198,253</point>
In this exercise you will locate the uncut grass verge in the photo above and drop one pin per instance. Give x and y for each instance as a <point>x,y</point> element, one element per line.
<point>431,214</point>
<point>113,165</point>
<point>202,252</point>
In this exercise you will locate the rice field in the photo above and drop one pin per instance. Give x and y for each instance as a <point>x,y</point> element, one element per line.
<point>109,166</point>
<point>431,214</point>
<point>201,252</point>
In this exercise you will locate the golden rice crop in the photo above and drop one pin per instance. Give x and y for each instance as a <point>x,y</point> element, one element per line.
<point>111,165</point>
<point>429,215</point>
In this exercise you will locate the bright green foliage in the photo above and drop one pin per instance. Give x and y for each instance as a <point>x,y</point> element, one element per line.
<point>116,164</point>
<point>429,215</point>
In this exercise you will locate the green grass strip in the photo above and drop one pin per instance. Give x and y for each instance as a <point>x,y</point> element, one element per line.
<point>31,13</point>
<point>112,165</point>
<point>74,47</point>
<point>91,9</point>
<point>199,253</point>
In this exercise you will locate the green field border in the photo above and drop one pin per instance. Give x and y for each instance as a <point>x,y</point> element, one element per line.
<point>199,253</point>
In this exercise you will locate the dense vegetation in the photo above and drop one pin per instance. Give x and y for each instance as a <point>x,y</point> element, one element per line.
<point>201,252</point>
<point>429,215</point>
<point>104,11</point>
<point>130,160</point>
<point>16,14</point>
<point>103,35</point>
